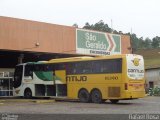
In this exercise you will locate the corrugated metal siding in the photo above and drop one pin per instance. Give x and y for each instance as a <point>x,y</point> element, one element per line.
<point>18,34</point>
<point>153,75</point>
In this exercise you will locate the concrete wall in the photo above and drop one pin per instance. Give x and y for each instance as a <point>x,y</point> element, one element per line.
<point>18,34</point>
<point>153,75</point>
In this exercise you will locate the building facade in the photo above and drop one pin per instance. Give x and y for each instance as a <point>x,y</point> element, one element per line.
<point>25,35</point>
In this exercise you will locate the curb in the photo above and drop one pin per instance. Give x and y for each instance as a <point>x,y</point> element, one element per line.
<point>27,100</point>
<point>44,101</point>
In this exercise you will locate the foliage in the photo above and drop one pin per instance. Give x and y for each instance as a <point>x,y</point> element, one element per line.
<point>100,26</point>
<point>136,43</point>
<point>140,43</point>
<point>154,91</point>
<point>75,25</point>
<point>156,42</point>
<point>147,43</point>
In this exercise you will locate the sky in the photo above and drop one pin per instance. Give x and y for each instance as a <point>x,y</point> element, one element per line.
<point>141,17</point>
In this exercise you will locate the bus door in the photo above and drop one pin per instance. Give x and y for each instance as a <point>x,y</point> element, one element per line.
<point>60,83</point>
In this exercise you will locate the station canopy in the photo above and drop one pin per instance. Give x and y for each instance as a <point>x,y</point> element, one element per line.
<point>9,59</point>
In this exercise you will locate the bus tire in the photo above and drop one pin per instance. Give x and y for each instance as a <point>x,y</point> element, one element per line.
<point>96,96</point>
<point>114,101</point>
<point>84,96</point>
<point>27,93</point>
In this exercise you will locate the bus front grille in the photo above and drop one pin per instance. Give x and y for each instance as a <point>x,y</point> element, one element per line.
<point>113,91</point>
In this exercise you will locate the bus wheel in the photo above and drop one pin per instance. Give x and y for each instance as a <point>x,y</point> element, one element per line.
<point>28,93</point>
<point>96,96</point>
<point>114,101</point>
<point>84,96</point>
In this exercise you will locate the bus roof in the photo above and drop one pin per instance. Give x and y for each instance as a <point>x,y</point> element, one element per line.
<point>72,59</point>
<point>84,58</point>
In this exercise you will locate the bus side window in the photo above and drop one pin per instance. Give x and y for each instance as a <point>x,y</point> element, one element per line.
<point>70,68</point>
<point>74,68</point>
<point>118,66</point>
<point>97,66</point>
<point>50,67</point>
<point>86,67</point>
<point>28,70</point>
<point>108,66</point>
<point>112,66</point>
<point>47,67</point>
<point>36,68</point>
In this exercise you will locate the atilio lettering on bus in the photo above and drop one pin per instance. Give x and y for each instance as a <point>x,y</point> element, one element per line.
<point>76,78</point>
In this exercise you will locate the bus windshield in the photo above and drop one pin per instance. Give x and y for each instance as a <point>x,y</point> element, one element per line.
<point>18,76</point>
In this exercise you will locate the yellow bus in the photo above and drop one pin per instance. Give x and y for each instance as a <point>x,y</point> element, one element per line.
<point>89,79</point>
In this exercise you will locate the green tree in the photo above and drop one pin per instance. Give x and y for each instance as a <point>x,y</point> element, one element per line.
<point>134,42</point>
<point>100,26</point>
<point>147,43</point>
<point>115,32</point>
<point>87,26</point>
<point>156,42</point>
<point>141,43</point>
<point>75,25</point>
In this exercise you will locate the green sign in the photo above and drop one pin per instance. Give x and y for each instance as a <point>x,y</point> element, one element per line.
<point>100,43</point>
